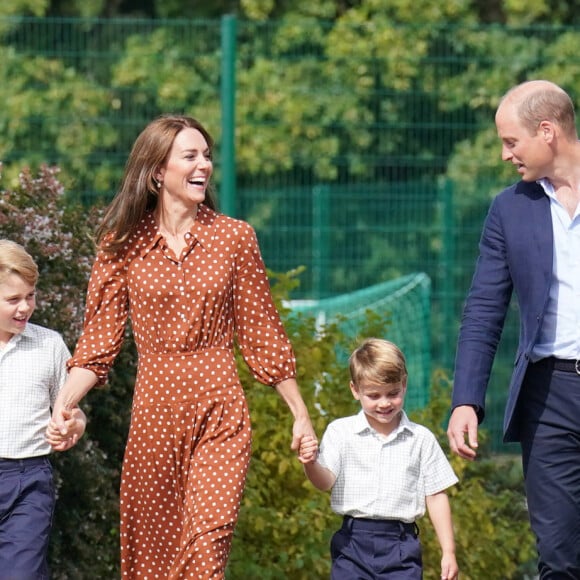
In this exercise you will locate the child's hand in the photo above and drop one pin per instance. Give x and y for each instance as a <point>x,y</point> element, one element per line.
<point>60,440</point>
<point>308,451</point>
<point>74,427</point>
<point>449,568</point>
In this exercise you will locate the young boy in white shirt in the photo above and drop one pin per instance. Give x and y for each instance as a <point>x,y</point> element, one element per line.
<point>32,370</point>
<point>384,470</point>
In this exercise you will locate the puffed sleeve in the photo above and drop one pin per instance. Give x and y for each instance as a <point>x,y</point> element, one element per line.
<point>261,337</point>
<point>105,317</point>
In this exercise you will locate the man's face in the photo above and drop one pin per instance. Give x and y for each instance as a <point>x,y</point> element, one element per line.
<point>528,150</point>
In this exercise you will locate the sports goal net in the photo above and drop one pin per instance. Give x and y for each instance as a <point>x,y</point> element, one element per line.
<point>405,306</point>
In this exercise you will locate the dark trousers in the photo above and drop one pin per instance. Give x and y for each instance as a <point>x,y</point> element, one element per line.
<point>27,501</point>
<point>365,549</point>
<point>549,414</point>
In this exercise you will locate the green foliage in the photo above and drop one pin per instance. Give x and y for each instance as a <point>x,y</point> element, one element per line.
<point>378,67</point>
<point>85,538</point>
<point>34,214</point>
<point>21,7</point>
<point>51,114</point>
<point>161,74</point>
<point>285,524</point>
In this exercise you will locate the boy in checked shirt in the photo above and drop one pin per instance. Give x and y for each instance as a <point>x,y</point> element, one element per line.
<point>32,370</point>
<point>384,471</point>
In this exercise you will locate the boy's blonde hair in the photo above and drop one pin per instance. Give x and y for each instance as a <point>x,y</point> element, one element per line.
<point>377,361</point>
<point>14,259</point>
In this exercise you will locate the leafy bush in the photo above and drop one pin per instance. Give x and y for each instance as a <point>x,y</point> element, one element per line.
<point>85,535</point>
<point>286,524</point>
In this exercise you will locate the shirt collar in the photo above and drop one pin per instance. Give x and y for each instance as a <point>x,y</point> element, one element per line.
<point>549,190</point>
<point>16,338</point>
<point>361,424</point>
<point>27,332</point>
<point>203,226</point>
<point>547,186</point>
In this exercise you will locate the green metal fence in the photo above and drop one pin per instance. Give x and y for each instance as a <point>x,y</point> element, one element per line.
<point>364,152</point>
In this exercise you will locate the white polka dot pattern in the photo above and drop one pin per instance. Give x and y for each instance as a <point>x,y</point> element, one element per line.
<point>189,443</point>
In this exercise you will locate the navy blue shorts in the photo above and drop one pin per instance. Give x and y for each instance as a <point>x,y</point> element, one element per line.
<point>366,549</point>
<point>27,501</point>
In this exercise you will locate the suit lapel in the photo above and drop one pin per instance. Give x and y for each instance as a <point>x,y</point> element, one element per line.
<point>538,226</point>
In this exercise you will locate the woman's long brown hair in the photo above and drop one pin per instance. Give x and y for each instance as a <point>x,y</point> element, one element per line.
<point>138,192</point>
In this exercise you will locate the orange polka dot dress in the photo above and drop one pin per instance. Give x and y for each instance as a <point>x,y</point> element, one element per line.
<point>188,448</point>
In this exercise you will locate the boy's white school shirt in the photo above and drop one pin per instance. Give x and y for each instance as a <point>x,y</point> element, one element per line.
<point>383,477</point>
<point>32,371</point>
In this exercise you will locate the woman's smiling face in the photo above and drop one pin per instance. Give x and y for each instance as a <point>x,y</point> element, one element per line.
<point>186,174</point>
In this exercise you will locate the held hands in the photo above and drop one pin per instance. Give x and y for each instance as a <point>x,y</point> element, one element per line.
<point>302,433</point>
<point>308,451</point>
<point>463,422</point>
<point>63,432</point>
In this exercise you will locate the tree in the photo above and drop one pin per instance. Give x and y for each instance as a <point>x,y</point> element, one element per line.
<point>51,114</point>
<point>21,7</point>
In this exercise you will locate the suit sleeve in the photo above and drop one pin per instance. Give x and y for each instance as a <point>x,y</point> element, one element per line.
<point>483,315</point>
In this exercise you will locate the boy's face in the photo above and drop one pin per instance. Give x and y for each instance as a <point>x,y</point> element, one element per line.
<point>381,403</point>
<point>17,303</point>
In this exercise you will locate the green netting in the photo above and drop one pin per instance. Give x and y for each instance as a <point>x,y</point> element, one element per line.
<point>360,165</point>
<point>405,303</point>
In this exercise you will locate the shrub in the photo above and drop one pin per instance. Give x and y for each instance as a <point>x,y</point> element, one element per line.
<point>36,215</point>
<point>286,524</point>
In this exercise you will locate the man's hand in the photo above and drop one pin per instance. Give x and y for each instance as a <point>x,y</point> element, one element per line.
<point>463,422</point>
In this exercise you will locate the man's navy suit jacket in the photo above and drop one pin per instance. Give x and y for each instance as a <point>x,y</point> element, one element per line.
<point>515,255</point>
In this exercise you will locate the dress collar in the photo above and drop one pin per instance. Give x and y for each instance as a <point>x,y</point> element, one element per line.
<point>201,230</point>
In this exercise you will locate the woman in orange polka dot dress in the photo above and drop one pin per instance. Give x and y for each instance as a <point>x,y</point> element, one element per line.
<point>190,279</point>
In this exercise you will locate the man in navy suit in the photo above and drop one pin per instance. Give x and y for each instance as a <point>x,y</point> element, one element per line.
<point>531,245</point>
